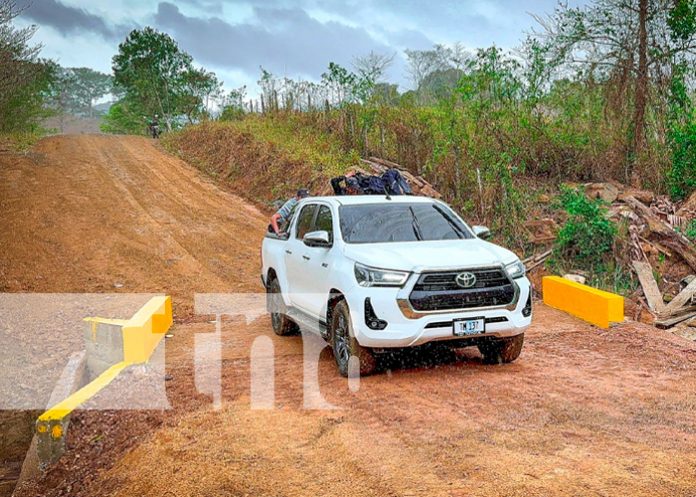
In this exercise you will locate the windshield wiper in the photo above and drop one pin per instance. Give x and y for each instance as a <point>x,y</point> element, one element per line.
<point>457,229</point>
<point>415,226</point>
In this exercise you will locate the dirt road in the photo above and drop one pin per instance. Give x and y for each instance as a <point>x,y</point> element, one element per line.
<point>582,412</point>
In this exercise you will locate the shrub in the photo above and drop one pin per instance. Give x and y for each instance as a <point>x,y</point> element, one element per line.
<point>689,230</point>
<point>588,235</point>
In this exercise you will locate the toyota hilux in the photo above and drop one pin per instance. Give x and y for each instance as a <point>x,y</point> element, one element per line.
<point>372,274</point>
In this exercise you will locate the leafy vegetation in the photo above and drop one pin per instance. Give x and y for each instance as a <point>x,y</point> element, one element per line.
<point>587,236</point>
<point>690,230</point>
<point>25,79</point>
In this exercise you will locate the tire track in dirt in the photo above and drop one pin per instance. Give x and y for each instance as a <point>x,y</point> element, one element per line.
<point>582,412</point>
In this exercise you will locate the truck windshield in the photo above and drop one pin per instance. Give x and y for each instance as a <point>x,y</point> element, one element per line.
<point>400,222</point>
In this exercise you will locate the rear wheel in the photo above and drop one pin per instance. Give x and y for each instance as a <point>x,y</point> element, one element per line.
<point>502,351</point>
<point>282,325</point>
<point>346,348</point>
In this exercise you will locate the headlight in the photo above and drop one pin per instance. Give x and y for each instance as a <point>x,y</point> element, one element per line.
<point>515,270</point>
<point>370,276</point>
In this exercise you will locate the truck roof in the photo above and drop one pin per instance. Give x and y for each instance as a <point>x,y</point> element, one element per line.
<point>371,199</point>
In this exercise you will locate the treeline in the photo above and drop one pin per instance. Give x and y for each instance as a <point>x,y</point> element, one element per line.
<point>151,75</point>
<point>600,92</point>
<point>603,91</point>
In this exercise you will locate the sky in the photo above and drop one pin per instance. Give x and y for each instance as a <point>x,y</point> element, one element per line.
<point>293,38</point>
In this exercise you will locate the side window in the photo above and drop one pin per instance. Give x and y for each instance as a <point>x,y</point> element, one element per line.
<point>291,217</point>
<point>304,221</point>
<point>324,221</point>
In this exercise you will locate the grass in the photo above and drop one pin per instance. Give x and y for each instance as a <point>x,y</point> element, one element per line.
<point>20,141</point>
<point>300,142</point>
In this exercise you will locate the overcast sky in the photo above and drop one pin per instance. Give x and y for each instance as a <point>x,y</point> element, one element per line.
<point>296,38</point>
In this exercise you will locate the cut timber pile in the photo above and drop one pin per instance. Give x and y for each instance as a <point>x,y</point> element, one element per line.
<point>647,226</point>
<point>667,236</point>
<point>681,308</point>
<point>654,228</point>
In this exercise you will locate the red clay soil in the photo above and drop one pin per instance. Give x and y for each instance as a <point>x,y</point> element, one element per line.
<point>582,412</point>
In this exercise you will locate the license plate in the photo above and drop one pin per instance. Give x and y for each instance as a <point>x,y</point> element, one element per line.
<point>464,327</point>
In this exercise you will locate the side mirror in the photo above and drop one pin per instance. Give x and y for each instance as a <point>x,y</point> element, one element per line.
<point>317,239</point>
<point>482,232</point>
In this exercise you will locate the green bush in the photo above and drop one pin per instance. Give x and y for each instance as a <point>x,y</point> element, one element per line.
<point>682,176</point>
<point>588,235</point>
<point>689,230</point>
<point>123,118</point>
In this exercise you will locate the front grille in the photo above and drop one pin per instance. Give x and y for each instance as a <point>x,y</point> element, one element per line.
<point>485,278</point>
<point>440,291</point>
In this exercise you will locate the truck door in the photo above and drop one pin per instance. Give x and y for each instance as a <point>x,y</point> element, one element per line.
<point>296,259</point>
<point>319,264</point>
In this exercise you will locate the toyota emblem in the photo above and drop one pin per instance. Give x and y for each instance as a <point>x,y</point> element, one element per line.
<point>465,280</point>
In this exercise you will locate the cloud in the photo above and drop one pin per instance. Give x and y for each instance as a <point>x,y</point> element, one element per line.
<point>282,40</point>
<point>68,20</point>
<point>212,6</point>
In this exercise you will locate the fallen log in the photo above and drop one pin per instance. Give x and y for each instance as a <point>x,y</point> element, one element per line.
<point>671,239</point>
<point>536,260</point>
<point>669,322</point>
<point>683,298</point>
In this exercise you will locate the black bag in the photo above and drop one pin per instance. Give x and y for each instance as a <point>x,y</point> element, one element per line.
<point>395,183</point>
<point>389,183</point>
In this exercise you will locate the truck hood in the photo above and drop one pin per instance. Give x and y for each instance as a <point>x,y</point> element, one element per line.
<point>422,256</point>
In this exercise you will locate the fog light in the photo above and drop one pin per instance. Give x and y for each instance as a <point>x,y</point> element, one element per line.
<point>371,319</point>
<point>527,309</point>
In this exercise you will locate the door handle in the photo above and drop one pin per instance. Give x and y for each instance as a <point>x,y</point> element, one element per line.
<point>305,257</point>
<point>289,252</point>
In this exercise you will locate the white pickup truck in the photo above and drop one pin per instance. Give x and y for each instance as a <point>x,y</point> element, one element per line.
<point>373,273</point>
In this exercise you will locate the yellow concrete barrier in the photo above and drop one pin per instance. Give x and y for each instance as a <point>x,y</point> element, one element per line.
<point>594,306</point>
<point>140,336</point>
<point>144,331</point>
<point>66,406</point>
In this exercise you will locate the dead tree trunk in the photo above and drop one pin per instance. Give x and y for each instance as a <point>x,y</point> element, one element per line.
<point>641,90</point>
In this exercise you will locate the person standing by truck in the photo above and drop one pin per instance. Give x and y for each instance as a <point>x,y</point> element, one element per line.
<point>283,215</point>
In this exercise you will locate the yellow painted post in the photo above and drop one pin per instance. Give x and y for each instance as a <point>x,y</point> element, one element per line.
<point>590,304</point>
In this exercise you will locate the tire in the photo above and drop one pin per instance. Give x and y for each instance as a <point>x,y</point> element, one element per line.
<point>502,351</point>
<point>282,325</point>
<point>345,346</point>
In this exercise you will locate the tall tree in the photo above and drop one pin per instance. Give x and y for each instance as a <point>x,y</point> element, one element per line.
<point>151,69</point>
<point>77,88</point>
<point>373,65</point>
<point>641,87</point>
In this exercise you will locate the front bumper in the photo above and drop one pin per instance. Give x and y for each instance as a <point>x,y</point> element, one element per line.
<point>407,328</point>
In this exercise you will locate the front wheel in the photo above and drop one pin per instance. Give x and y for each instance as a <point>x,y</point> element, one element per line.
<point>282,325</point>
<point>346,348</point>
<point>502,351</point>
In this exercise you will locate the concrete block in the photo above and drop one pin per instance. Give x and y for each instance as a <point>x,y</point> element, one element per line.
<point>103,343</point>
<point>594,306</point>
